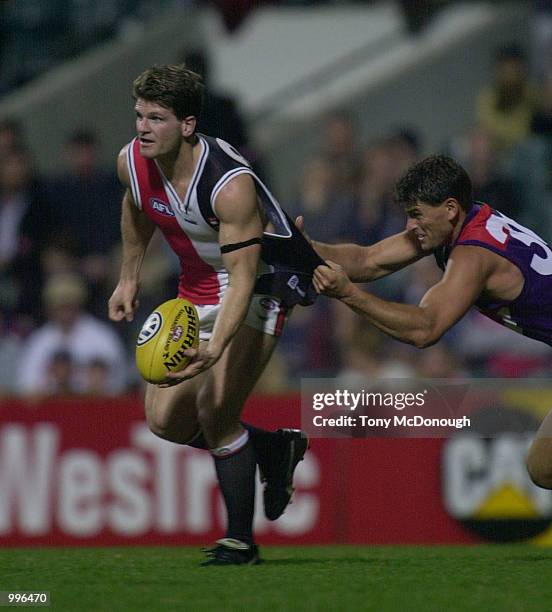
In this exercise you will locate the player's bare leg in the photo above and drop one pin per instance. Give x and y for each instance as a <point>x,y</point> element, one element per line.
<point>171,412</point>
<point>220,401</point>
<point>212,402</point>
<point>229,382</point>
<point>539,459</point>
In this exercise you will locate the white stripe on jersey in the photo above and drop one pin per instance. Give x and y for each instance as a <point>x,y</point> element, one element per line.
<point>133,178</point>
<point>226,178</point>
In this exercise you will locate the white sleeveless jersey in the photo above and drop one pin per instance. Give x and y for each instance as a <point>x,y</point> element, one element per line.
<point>191,225</point>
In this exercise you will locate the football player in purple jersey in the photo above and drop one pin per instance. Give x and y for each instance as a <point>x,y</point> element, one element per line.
<point>489,261</point>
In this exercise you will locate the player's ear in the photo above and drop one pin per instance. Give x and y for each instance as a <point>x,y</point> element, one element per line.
<point>453,207</point>
<point>188,126</point>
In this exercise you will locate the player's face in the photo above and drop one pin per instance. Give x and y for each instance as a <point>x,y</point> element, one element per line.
<point>159,131</point>
<point>432,225</point>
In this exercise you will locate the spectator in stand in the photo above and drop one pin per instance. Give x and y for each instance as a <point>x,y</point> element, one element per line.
<point>220,115</point>
<point>381,164</point>
<point>531,165</point>
<point>368,356</point>
<point>58,257</point>
<point>60,375</point>
<point>69,330</point>
<point>362,358</point>
<point>323,205</point>
<point>506,108</point>
<point>87,200</point>
<point>25,226</point>
<point>541,122</point>
<point>377,213</point>
<point>96,378</point>
<point>340,149</point>
<point>374,190</point>
<point>405,146</point>
<point>310,344</point>
<point>490,183</point>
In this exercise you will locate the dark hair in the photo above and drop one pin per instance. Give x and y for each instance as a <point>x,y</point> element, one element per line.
<point>172,86</point>
<point>432,180</point>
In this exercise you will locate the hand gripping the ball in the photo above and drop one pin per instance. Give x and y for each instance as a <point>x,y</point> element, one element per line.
<point>168,342</point>
<point>201,359</point>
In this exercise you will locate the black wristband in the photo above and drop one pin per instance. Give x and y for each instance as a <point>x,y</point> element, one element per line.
<point>228,248</point>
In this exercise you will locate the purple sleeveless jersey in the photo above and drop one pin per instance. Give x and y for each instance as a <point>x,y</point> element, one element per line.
<point>531,312</point>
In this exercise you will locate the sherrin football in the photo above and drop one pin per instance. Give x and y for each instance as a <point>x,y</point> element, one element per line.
<point>170,329</point>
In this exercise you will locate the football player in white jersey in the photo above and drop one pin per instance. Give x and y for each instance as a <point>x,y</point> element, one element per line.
<point>220,254</point>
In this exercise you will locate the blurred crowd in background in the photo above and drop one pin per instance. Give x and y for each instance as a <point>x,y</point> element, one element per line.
<point>36,35</point>
<point>60,244</point>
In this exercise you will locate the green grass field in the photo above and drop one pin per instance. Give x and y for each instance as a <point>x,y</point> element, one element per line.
<point>406,579</point>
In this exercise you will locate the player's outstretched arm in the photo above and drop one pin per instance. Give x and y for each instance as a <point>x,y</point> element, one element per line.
<point>136,232</point>
<point>236,208</point>
<point>440,308</point>
<point>368,263</point>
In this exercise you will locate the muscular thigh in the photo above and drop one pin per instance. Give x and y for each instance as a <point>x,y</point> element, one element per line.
<point>171,412</point>
<point>230,381</point>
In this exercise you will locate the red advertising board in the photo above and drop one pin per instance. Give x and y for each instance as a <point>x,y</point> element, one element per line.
<point>89,472</point>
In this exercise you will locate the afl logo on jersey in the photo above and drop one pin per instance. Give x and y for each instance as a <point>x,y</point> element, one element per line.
<point>161,207</point>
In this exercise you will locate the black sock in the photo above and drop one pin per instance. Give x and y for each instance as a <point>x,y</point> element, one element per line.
<point>267,444</point>
<point>236,476</point>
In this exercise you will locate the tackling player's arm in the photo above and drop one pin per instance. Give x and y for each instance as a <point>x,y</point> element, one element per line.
<point>237,211</point>
<point>466,276</point>
<point>368,263</point>
<point>136,232</point>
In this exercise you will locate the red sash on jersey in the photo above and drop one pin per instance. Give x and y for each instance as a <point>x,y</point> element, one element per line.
<point>198,281</point>
<point>476,230</point>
